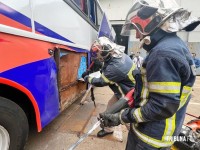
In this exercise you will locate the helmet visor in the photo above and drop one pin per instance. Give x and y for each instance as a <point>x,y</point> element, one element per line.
<point>100,49</point>
<point>146,15</point>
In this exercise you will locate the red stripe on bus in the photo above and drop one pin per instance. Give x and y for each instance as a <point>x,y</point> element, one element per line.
<point>16,51</point>
<point>31,97</point>
<point>12,23</point>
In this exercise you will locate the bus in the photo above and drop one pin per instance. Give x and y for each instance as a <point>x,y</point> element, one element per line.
<point>44,49</point>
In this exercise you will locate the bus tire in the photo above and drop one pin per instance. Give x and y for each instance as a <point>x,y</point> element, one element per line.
<point>13,121</point>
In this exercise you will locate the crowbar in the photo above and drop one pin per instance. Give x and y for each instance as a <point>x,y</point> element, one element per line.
<point>96,125</point>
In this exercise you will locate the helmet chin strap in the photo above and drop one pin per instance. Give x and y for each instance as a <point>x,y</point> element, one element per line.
<point>145,40</point>
<point>108,56</point>
<point>104,58</point>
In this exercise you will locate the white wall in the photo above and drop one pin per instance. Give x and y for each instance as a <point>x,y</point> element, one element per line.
<point>117,9</point>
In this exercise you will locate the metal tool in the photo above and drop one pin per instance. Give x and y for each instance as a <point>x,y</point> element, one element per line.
<point>86,94</point>
<point>92,96</point>
<point>118,106</point>
<point>96,125</point>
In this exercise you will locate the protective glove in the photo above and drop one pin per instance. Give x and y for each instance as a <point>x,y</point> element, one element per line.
<point>86,78</point>
<point>86,73</point>
<point>110,120</point>
<point>124,116</point>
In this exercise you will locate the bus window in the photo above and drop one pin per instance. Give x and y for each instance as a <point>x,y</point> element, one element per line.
<point>82,4</point>
<point>92,11</point>
<point>99,15</point>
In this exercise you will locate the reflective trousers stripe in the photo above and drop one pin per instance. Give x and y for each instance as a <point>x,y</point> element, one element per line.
<point>151,141</point>
<point>170,124</point>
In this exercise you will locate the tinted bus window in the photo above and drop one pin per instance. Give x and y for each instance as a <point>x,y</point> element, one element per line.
<point>99,15</point>
<point>92,11</point>
<point>82,4</point>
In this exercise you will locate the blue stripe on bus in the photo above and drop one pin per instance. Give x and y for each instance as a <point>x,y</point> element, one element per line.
<point>45,31</point>
<point>19,17</point>
<point>41,81</point>
<point>13,14</point>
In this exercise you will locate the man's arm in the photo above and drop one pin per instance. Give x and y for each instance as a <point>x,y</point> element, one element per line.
<point>109,76</point>
<point>164,85</point>
<point>101,81</point>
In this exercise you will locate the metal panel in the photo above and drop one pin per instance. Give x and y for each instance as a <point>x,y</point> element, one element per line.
<point>15,14</point>
<point>59,17</point>
<point>22,6</point>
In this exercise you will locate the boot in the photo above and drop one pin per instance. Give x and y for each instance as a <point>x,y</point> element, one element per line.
<point>103,133</point>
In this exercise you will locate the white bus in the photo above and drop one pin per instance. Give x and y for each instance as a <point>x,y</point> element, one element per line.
<point>44,49</point>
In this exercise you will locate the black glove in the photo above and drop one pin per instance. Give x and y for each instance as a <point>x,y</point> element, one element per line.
<point>110,120</point>
<point>87,72</point>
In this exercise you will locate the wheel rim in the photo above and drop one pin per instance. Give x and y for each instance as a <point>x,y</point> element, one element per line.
<point>4,139</point>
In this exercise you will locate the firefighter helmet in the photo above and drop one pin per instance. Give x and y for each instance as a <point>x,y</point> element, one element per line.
<point>146,15</point>
<point>102,47</point>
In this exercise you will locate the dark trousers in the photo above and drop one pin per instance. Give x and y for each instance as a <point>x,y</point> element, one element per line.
<point>133,143</point>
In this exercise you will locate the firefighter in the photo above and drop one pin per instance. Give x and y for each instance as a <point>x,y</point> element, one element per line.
<point>116,71</point>
<point>167,75</point>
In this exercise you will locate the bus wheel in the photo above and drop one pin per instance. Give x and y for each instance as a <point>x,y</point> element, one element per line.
<point>13,126</point>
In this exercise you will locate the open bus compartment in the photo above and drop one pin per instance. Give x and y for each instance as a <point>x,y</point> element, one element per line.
<point>70,66</point>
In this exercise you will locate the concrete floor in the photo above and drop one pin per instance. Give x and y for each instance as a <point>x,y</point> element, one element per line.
<point>76,120</point>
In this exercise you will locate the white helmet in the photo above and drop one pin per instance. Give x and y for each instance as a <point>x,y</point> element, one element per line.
<point>103,47</point>
<point>147,15</point>
<point>103,44</point>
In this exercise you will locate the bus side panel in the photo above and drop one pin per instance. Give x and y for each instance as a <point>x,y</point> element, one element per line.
<point>18,19</point>
<point>59,17</point>
<point>54,19</point>
<point>28,63</point>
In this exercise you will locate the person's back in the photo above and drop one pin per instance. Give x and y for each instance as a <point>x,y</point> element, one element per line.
<point>168,71</point>
<point>119,70</point>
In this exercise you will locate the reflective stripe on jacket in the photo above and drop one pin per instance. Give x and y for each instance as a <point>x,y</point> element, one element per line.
<point>167,81</point>
<point>119,71</point>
